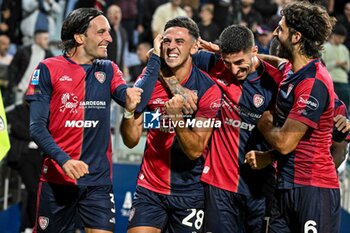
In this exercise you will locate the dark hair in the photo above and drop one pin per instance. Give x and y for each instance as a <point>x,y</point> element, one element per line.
<point>236,38</point>
<point>77,22</point>
<point>314,24</point>
<point>184,22</point>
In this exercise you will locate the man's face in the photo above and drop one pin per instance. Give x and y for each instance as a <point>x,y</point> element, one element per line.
<point>114,15</point>
<point>239,64</point>
<point>4,45</point>
<point>338,39</point>
<point>42,39</point>
<point>281,33</point>
<point>178,46</point>
<point>97,38</point>
<point>141,52</point>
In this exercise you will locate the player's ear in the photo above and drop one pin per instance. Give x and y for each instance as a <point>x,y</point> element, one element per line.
<point>79,38</point>
<point>254,50</point>
<point>194,48</point>
<point>296,37</point>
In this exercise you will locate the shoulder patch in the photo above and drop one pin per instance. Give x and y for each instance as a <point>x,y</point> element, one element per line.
<point>35,77</point>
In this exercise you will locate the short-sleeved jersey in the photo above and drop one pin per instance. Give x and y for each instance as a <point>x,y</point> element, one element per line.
<point>308,97</point>
<point>79,98</point>
<point>165,167</point>
<point>243,104</point>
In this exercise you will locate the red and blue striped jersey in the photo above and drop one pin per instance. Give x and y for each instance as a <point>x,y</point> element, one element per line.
<point>76,101</point>
<point>243,104</point>
<point>165,167</point>
<point>308,97</point>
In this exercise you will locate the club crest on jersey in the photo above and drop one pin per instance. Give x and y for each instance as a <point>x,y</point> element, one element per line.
<point>35,77</point>
<point>258,100</point>
<point>43,222</point>
<point>290,88</point>
<point>100,76</point>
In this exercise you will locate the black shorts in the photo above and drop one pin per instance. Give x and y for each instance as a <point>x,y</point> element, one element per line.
<point>64,208</point>
<point>229,212</point>
<point>306,209</point>
<point>173,214</point>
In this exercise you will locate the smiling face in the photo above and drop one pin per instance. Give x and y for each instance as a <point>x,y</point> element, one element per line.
<point>177,47</point>
<point>239,64</point>
<point>282,34</point>
<point>96,38</point>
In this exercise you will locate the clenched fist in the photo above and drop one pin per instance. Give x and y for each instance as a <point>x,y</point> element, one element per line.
<point>174,106</point>
<point>75,169</point>
<point>133,98</point>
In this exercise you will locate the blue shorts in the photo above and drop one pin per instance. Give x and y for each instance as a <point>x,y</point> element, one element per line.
<point>306,209</point>
<point>172,214</point>
<point>62,207</point>
<point>229,212</point>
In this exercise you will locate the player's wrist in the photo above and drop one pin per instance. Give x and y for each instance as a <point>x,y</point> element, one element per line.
<point>127,114</point>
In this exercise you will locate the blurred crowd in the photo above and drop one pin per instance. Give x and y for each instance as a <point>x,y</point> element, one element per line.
<point>29,35</point>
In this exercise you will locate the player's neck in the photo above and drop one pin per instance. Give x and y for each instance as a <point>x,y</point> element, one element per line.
<point>182,72</point>
<point>81,60</point>
<point>79,57</point>
<point>299,61</point>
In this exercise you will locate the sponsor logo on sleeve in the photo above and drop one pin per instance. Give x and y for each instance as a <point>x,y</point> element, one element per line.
<point>35,77</point>
<point>308,101</point>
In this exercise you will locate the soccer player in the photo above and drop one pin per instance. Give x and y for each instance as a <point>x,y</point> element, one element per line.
<point>169,195</point>
<point>235,194</point>
<point>70,99</point>
<point>301,129</point>
<point>341,123</point>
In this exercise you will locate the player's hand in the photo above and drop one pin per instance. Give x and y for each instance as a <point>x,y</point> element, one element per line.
<point>75,169</point>
<point>132,98</point>
<point>157,43</point>
<point>211,47</point>
<point>174,106</point>
<point>190,105</point>
<point>341,123</point>
<point>258,159</point>
<point>265,119</point>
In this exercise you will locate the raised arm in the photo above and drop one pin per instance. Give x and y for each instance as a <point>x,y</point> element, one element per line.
<point>131,125</point>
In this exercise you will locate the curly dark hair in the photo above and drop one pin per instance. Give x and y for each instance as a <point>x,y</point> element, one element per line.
<point>314,24</point>
<point>184,22</point>
<point>77,22</point>
<point>236,38</point>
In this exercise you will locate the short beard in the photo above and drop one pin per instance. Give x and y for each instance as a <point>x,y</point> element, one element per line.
<point>285,51</point>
